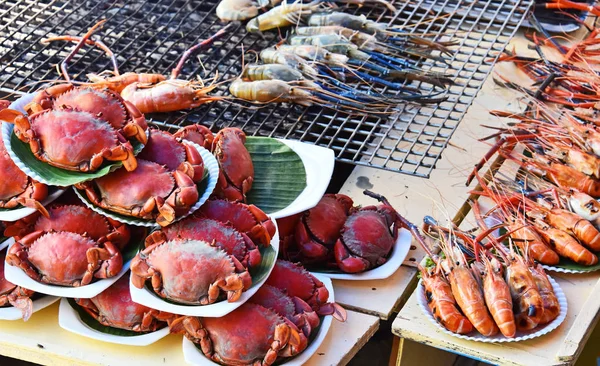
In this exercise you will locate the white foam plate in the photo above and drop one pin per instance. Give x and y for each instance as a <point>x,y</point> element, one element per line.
<point>194,356</point>
<point>11,313</point>
<point>399,253</point>
<point>499,338</point>
<point>210,164</point>
<point>17,276</point>
<point>19,213</point>
<point>69,319</point>
<point>6,243</point>
<point>318,165</point>
<point>148,298</point>
<point>569,270</point>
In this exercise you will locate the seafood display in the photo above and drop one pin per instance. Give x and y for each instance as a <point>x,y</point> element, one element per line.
<point>276,323</point>
<point>336,235</point>
<point>114,308</point>
<point>71,247</point>
<point>493,291</point>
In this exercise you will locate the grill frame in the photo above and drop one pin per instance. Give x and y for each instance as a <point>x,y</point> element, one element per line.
<point>150,35</point>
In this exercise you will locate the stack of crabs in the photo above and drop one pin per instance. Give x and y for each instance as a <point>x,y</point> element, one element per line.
<point>86,128</point>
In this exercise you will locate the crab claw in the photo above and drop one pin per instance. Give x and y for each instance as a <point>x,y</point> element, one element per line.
<point>335,309</point>
<point>22,303</point>
<point>107,261</point>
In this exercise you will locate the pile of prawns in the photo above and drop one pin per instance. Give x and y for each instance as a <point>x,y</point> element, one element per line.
<point>469,287</point>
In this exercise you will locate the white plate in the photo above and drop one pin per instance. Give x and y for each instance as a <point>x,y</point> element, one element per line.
<point>318,165</point>
<point>194,356</point>
<point>6,243</point>
<point>19,213</point>
<point>569,270</point>
<point>499,338</point>
<point>17,276</point>
<point>69,319</point>
<point>210,164</point>
<point>11,313</point>
<point>148,298</point>
<point>399,253</point>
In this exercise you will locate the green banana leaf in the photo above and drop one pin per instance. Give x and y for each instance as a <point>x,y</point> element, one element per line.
<point>279,174</point>
<point>57,176</point>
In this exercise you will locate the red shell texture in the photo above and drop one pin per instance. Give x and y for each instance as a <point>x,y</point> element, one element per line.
<point>75,219</point>
<point>72,137</point>
<point>188,268</point>
<point>128,189</point>
<point>326,219</point>
<point>295,280</point>
<point>274,299</point>
<point>367,234</point>
<point>164,149</point>
<point>244,335</point>
<point>225,211</point>
<point>116,306</point>
<point>14,181</point>
<point>100,103</point>
<point>200,228</point>
<point>61,256</point>
<point>5,286</point>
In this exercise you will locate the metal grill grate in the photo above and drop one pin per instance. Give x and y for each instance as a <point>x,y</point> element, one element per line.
<point>151,35</point>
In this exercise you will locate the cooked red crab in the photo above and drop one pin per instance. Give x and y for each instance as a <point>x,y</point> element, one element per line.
<point>190,272</point>
<point>293,308</point>
<point>164,149</point>
<point>113,307</point>
<point>367,239</point>
<point>198,134</point>
<point>249,335</point>
<point>16,188</point>
<point>64,258</point>
<point>320,227</point>
<point>297,281</point>
<point>224,237</point>
<point>149,192</point>
<point>75,219</point>
<point>236,172</point>
<point>103,103</point>
<point>71,139</point>
<point>248,219</point>
<point>14,295</point>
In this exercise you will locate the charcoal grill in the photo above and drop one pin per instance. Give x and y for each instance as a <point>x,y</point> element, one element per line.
<point>151,35</point>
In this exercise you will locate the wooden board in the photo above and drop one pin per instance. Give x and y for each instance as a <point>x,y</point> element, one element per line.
<point>561,346</point>
<point>42,341</point>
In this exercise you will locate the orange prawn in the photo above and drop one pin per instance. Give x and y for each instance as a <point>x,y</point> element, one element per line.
<point>565,245</point>
<point>549,300</point>
<point>498,298</point>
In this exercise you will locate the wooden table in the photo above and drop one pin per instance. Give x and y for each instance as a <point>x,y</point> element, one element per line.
<point>42,341</point>
<point>446,186</point>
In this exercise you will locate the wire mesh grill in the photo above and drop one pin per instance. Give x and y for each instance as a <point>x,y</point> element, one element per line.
<point>151,35</point>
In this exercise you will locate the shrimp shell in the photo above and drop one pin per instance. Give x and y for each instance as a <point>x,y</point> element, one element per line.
<point>528,304</point>
<point>551,304</point>
<point>118,83</point>
<point>527,238</point>
<point>499,301</point>
<point>443,304</point>
<point>468,296</point>
<point>236,10</point>
<point>566,246</point>
<point>582,229</point>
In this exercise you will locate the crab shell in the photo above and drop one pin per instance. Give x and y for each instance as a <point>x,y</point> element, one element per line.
<point>190,272</point>
<point>64,258</point>
<point>76,219</point>
<point>113,307</point>
<point>288,249</point>
<point>164,149</point>
<point>320,227</point>
<point>249,335</point>
<point>71,139</point>
<point>367,239</point>
<point>16,188</point>
<point>149,192</point>
<point>103,103</point>
<point>11,294</point>
<point>236,170</point>
<point>293,308</point>
<point>247,219</point>
<point>198,134</point>
<point>224,236</point>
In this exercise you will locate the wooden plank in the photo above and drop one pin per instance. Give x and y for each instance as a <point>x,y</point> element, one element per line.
<point>42,341</point>
<point>581,292</point>
<point>378,297</point>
